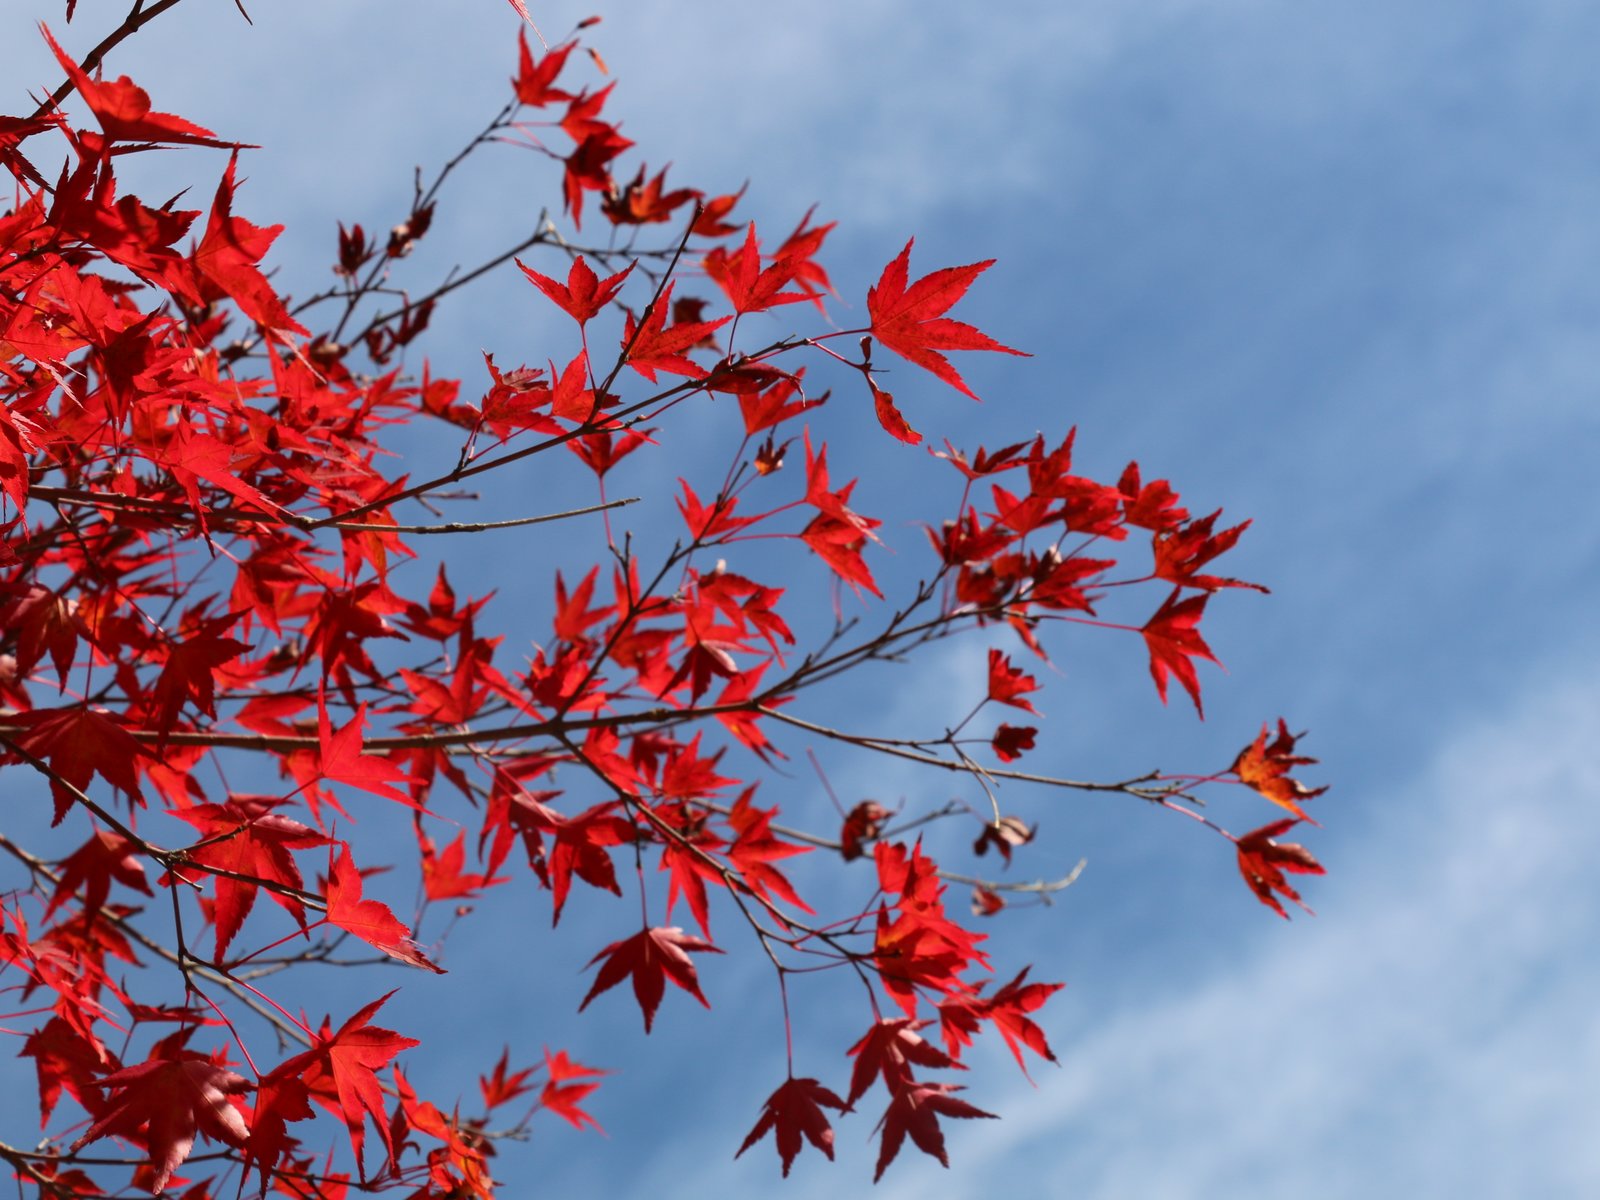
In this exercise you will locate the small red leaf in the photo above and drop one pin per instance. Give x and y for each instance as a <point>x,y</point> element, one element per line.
<point>651,957</point>
<point>792,1112</point>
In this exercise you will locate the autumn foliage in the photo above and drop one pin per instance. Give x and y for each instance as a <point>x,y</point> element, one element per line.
<point>215,647</point>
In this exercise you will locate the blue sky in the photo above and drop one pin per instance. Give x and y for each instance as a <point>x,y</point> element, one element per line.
<point>1333,270</point>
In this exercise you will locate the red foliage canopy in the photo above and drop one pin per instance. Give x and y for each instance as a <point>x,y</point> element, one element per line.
<point>200,566</point>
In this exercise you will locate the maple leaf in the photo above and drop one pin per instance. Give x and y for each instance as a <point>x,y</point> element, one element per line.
<point>651,956</point>
<point>1008,1011</point>
<point>92,866</point>
<point>340,1072</point>
<point>228,255</point>
<point>584,294</point>
<point>192,456</point>
<point>1004,834</point>
<point>650,346</point>
<point>911,322</point>
<point>861,825</point>
<point>64,1057</point>
<point>1174,642</point>
<point>502,1086</point>
<point>792,1112</point>
<point>1262,862</point>
<point>747,286</point>
<point>1151,505</point>
<point>889,1049</point>
<point>370,920</point>
<point>641,203</point>
<point>124,112</point>
<point>890,417</point>
<point>561,1096</point>
<point>1010,741</point>
<point>79,743</point>
<point>250,842</point>
<point>1181,552</point>
<point>163,1103</point>
<point>916,1111</point>
<point>534,80</point>
<point>442,874</point>
<point>985,903</point>
<point>773,405</point>
<point>340,758</point>
<point>1007,683</point>
<point>188,674</point>
<point>1266,768</point>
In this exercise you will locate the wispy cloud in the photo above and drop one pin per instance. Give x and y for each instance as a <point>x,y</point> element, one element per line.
<point>1433,1033</point>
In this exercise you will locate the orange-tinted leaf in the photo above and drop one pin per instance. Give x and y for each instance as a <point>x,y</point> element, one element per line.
<point>1266,768</point>
<point>889,417</point>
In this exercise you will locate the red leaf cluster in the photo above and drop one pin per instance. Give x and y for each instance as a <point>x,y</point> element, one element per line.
<point>215,655</point>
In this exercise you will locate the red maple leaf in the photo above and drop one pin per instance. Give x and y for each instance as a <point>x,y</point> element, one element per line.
<point>79,743</point>
<point>651,346</point>
<point>911,322</point>
<point>1007,683</point>
<point>1263,861</point>
<point>340,758</point>
<point>188,674</point>
<point>1010,741</point>
<point>250,842</point>
<point>340,1073</point>
<point>503,1085</point>
<point>792,1112</point>
<point>1174,642</point>
<point>651,956</point>
<point>1151,505</point>
<point>442,875</point>
<point>534,80</point>
<point>584,294</point>
<point>123,109</point>
<point>1007,1010</point>
<point>890,417</point>
<point>1180,552</point>
<point>561,1096</point>
<point>747,286</point>
<point>64,1057</point>
<point>1266,768</point>
<point>163,1103</point>
<point>92,867</point>
<point>228,255</point>
<point>889,1049</point>
<point>916,1111</point>
<point>370,920</point>
<point>861,825</point>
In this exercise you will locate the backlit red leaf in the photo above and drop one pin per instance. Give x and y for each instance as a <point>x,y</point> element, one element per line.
<point>911,322</point>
